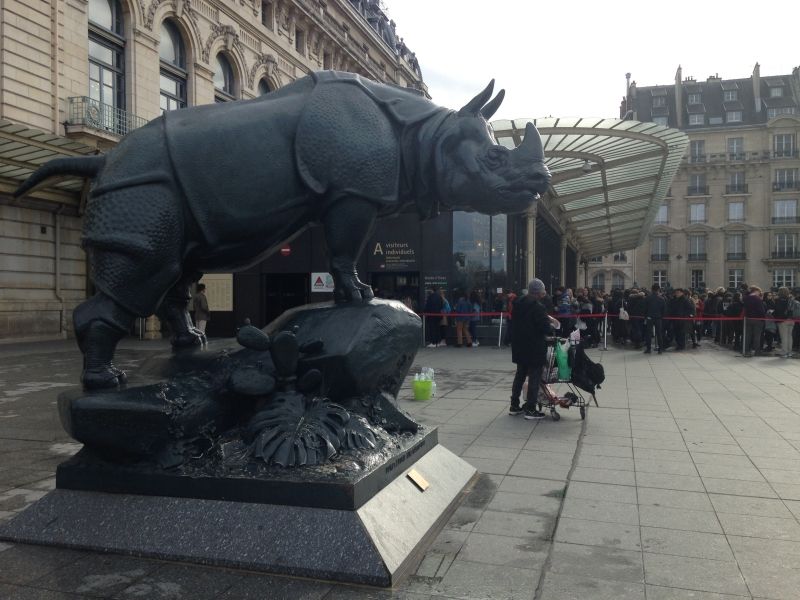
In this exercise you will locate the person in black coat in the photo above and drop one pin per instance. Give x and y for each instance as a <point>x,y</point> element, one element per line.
<point>654,309</point>
<point>433,306</point>
<point>636,310</point>
<point>532,325</point>
<point>681,308</point>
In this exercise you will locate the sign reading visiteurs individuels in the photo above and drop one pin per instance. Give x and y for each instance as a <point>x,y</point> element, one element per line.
<point>393,255</point>
<point>322,282</point>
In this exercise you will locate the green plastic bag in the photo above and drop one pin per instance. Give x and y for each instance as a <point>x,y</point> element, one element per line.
<point>562,360</point>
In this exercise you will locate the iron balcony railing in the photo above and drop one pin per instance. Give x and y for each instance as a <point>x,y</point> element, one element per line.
<point>697,158</point>
<point>737,255</point>
<point>786,254</point>
<point>736,188</point>
<point>621,258</point>
<point>785,186</point>
<point>785,220</point>
<point>697,256</point>
<point>89,113</point>
<point>784,154</point>
<point>697,190</point>
<point>659,257</point>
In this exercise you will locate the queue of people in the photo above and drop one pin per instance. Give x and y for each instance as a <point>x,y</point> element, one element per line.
<point>746,320</point>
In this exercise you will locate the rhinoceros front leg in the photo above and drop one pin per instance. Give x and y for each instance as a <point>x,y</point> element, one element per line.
<point>348,224</point>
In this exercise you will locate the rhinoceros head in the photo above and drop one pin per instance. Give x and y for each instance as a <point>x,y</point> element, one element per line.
<point>476,174</point>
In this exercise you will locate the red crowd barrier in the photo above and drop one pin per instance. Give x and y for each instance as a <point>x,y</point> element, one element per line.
<point>602,315</point>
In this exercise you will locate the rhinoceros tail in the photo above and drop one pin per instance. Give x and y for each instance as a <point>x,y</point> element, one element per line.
<point>80,166</point>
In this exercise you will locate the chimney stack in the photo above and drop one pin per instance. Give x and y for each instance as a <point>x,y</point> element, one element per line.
<point>757,87</point>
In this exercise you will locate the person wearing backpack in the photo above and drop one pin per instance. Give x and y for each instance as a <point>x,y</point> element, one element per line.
<point>784,309</point>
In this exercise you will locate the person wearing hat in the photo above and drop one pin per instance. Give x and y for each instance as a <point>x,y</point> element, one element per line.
<point>532,325</point>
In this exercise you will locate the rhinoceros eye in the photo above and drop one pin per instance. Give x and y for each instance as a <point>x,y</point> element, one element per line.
<point>497,156</point>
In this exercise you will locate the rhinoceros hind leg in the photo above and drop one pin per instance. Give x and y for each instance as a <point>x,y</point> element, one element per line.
<point>100,323</point>
<point>174,310</point>
<point>348,224</point>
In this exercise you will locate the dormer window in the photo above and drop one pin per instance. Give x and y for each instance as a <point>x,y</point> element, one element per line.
<point>695,99</point>
<point>776,92</point>
<point>659,101</point>
<point>730,95</point>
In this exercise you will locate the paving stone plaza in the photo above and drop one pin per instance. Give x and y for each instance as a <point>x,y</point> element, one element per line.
<point>685,483</point>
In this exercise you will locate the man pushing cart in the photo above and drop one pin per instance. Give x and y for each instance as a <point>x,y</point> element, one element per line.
<point>530,340</point>
<point>532,326</point>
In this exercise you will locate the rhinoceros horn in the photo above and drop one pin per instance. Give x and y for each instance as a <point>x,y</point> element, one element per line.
<point>488,110</point>
<point>473,107</point>
<point>531,146</point>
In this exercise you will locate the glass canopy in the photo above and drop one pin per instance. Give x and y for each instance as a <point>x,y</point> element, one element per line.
<point>609,176</point>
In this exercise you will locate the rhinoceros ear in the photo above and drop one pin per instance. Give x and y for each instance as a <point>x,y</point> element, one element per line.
<point>473,107</point>
<point>491,108</point>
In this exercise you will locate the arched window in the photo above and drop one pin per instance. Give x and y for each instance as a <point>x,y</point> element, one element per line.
<point>223,80</point>
<point>599,281</point>
<point>106,61</point>
<point>617,281</point>
<point>172,53</point>
<point>264,87</point>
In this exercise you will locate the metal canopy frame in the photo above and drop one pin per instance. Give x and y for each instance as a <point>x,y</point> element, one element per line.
<point>609,176</point>
<point>23,150</point>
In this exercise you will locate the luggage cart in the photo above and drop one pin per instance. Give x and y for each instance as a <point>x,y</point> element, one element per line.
<point>549,398</point>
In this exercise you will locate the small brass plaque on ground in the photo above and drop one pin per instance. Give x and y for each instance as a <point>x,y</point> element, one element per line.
<point>418,480</point>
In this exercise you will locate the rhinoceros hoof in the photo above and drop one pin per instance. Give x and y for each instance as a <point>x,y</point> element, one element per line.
<point>103,378</point>
<point>122,377</point>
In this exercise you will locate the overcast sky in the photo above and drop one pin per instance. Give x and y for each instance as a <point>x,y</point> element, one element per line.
<point>569,58</point>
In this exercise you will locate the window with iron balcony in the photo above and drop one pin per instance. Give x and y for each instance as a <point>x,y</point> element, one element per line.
<point>784,146</point>
<point>697,213</point>
<point>735,212</point>
<point>784,212</point>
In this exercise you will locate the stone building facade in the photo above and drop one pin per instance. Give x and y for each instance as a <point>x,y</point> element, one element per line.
<point>609,272</point>
<point>75,76</point>
<point>732,212</point>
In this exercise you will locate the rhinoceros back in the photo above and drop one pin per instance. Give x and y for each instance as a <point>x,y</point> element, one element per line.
<point>235,165</point>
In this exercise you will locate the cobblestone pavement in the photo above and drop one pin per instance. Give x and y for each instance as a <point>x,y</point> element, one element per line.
<point>685,483</point>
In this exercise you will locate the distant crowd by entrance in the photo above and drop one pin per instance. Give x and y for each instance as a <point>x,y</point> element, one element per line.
<point>745,320</point>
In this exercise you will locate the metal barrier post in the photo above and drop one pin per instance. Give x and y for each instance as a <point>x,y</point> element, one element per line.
<point>605,331</point>
<point>424,337</point>
<point>500,333</point>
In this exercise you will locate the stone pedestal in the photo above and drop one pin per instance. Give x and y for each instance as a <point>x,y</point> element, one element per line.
<point>376,544</point>
<point>287,455</point>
